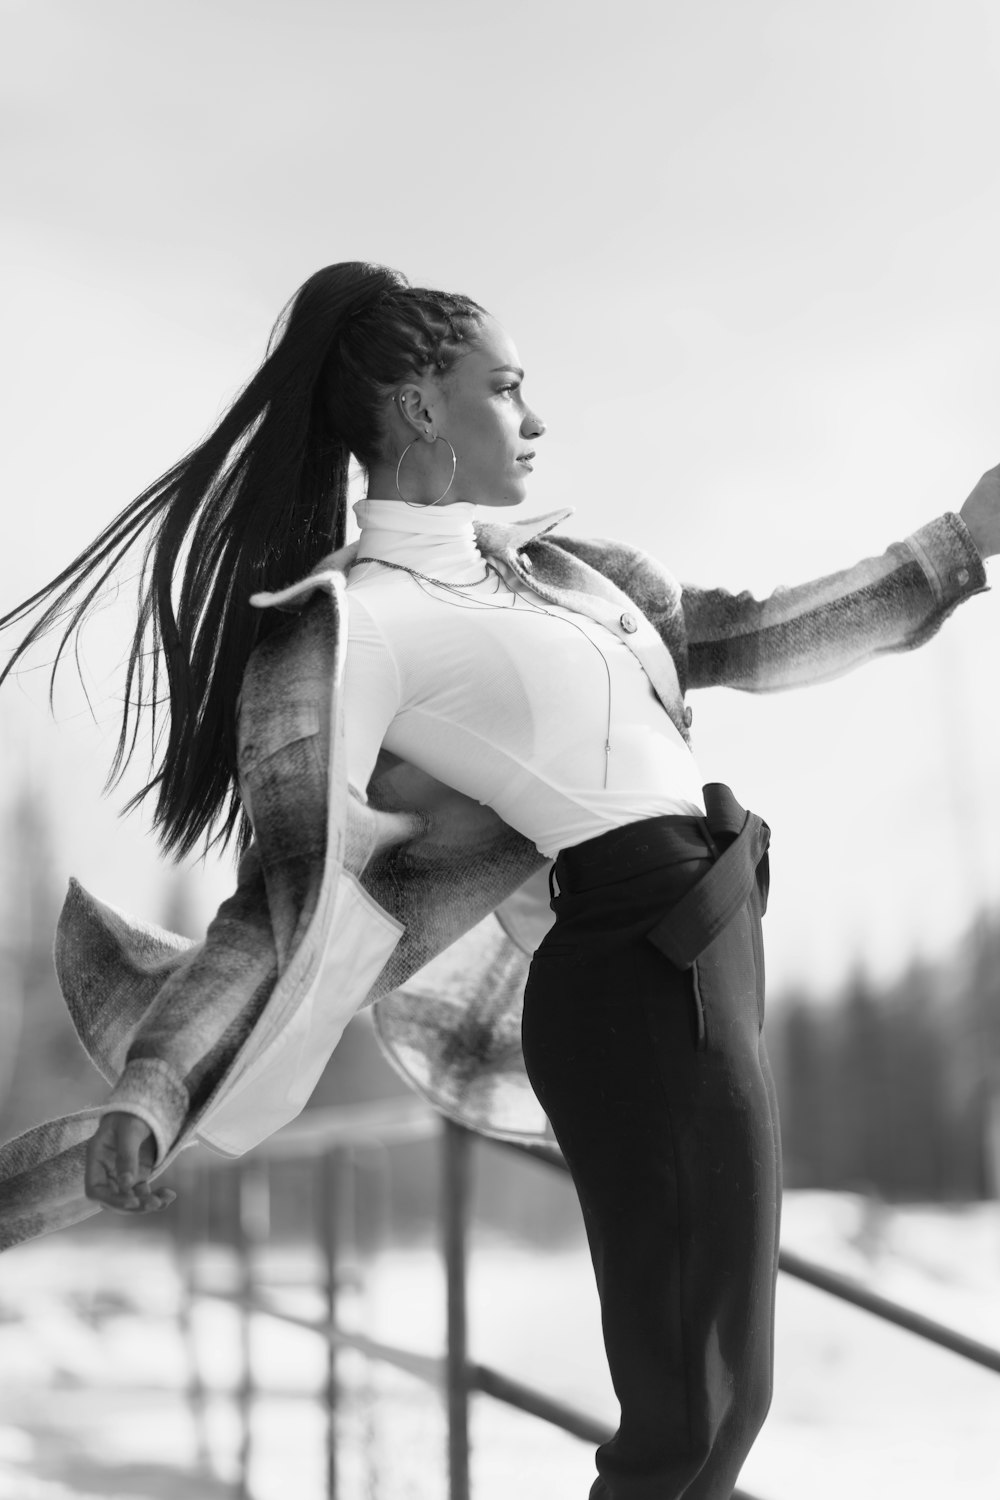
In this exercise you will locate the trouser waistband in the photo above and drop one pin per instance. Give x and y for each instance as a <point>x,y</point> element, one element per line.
<point>736,841</point>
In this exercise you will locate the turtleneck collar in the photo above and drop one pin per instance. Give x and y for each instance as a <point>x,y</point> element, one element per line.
<point>438,541</point>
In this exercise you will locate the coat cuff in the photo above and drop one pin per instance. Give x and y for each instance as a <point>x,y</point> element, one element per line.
<point>950,559</point>
<point>151,1089</point>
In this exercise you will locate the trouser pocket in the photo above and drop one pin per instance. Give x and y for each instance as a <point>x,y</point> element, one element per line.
<point>728,985</point>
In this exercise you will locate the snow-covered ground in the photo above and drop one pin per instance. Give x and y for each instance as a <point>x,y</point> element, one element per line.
<point>93,1372</point>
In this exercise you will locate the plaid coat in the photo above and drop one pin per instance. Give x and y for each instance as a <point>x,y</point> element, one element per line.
<point>418,899</point>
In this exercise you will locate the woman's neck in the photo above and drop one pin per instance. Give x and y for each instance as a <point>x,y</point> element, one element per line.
<point>439,541</point>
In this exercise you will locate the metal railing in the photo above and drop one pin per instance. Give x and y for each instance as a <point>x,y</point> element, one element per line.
<point>333,1141</point>
<point>847,1290</point>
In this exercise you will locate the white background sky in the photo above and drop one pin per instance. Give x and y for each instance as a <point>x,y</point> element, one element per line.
<point>748,250</point>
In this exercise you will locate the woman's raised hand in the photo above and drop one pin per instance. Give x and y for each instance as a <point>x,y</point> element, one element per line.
<point>981,513</point>
<point>120,1157</point>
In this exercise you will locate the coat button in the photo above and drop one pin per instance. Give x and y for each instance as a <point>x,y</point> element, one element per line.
<point>963,577</point>
<point>628,623</point>
<point>688,717</point>
<point>525,562</point>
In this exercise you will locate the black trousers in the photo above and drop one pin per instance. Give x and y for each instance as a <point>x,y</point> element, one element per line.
<point>654,1075</point>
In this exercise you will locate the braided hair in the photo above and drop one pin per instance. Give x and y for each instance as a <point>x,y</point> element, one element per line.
<point>253,507</point>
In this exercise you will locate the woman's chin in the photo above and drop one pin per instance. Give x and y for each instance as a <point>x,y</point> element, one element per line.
<point>507,491</point>
<point>515,491</point>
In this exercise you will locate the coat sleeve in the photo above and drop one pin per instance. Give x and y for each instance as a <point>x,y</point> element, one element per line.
<point>198,1023</point>
<point>818,630</point>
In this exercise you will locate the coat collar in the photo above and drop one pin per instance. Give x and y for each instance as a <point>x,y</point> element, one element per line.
<point>500,539</point>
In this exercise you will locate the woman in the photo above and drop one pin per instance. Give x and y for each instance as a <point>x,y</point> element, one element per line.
<point>393,771</point>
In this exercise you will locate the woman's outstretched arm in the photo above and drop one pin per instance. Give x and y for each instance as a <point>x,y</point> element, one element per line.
<point>821,629</point>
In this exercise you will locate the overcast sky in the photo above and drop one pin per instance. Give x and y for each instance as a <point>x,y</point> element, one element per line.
<point>747,249</point>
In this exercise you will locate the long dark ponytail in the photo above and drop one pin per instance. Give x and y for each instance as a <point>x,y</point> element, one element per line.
<point>255,506</point>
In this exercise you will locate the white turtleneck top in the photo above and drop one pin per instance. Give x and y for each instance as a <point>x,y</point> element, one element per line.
<point>498,693</point>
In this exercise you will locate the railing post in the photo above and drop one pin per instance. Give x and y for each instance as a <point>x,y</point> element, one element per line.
<point>253,1214</point>
<point>327,1206</point>
<point>455,1187</point>
<point>188,1228</point>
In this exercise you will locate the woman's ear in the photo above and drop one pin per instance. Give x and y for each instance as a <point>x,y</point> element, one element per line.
<point>416,403</point>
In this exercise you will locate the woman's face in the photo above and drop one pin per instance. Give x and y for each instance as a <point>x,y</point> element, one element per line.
<point>479,407</point>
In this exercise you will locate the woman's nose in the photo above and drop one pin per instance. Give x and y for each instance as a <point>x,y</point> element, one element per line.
<point>532,426</point>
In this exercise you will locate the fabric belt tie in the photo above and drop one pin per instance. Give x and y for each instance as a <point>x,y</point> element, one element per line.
<point>740,840</point>
<point>702,913</point>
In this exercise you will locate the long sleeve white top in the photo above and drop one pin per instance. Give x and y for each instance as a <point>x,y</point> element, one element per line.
<point>536,711</point>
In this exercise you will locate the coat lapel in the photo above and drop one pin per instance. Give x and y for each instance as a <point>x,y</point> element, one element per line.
<point>530,557</point>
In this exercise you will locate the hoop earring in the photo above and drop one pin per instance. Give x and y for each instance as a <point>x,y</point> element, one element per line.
<point>420,504</point>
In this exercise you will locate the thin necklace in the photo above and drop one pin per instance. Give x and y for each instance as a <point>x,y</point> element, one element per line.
<point>474,603</point>
<point>402,568</point>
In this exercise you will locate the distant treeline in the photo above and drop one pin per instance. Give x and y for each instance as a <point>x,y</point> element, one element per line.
<point>896,1088</point>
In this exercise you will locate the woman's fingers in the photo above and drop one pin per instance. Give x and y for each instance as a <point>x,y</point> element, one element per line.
<point>145,1199</point>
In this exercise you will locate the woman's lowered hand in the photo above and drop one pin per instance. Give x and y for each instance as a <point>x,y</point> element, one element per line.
<point>120,1158</point>
<point>981,513</point>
